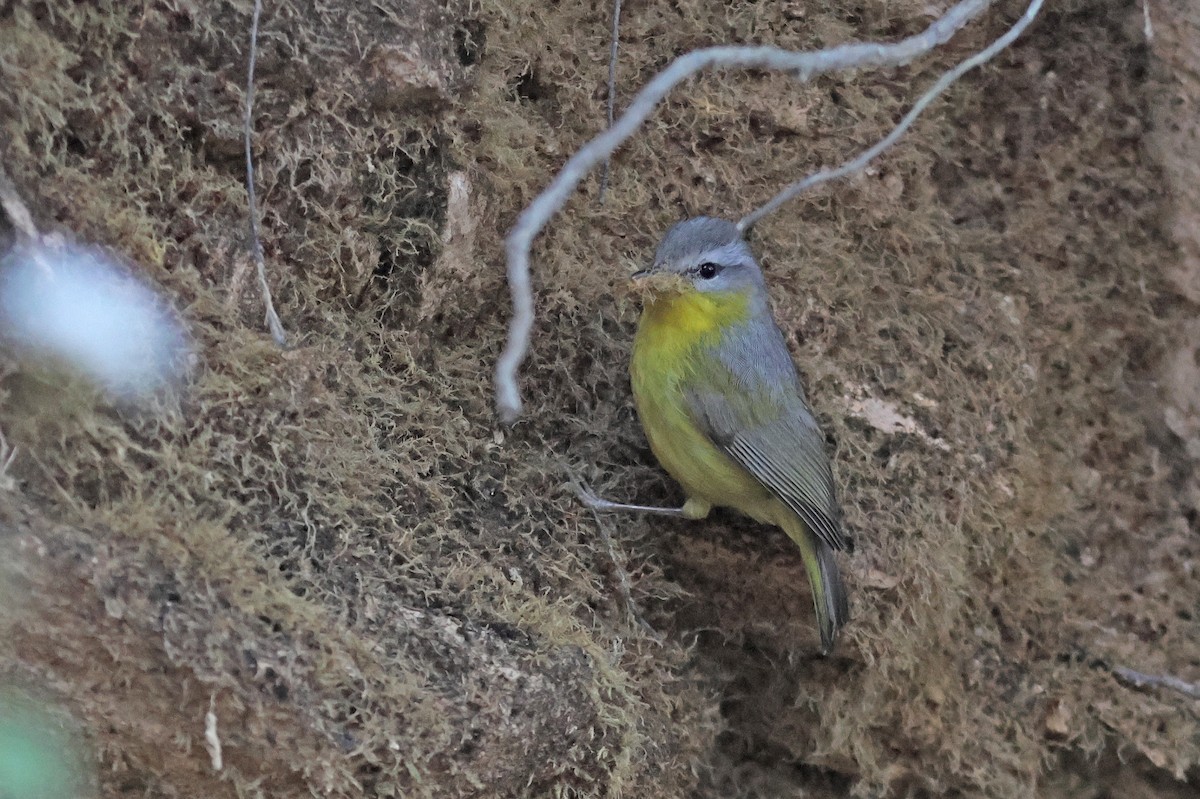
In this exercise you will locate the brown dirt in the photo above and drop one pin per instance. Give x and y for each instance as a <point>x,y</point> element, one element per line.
<point>380,591</point>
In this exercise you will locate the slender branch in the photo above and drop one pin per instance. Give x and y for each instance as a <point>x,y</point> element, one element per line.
<point>256,249</point>
<point>1138,680</point>
<point>612,91</point>
<point>32,244</point>
<point>7,456</point>
<point>624,587</point>
<point>805,65</point>
<point>856,164</point>
<point>12,206</point>
<point>212,739</point>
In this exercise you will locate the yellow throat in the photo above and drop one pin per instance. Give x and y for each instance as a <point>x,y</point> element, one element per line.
<point>676,345</point>
<point>677,321</point>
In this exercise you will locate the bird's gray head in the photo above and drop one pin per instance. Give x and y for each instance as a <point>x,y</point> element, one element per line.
<point>708,253</point>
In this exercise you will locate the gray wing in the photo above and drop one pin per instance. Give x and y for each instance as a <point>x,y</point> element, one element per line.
<point>755,411</point>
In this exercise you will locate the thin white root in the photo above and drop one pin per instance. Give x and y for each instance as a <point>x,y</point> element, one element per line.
<point>212,741</point>
<point>860,162</point>
<point>805,65</point>
<point>256,250</point>
<point>612,91</point>
<point>1139,680</point>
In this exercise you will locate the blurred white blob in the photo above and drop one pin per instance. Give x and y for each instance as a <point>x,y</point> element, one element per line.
<point>74,306</point>
<point>40,756</point>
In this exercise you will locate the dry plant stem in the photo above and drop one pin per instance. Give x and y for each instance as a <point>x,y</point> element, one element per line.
<point>868,155</point>
<point>212,739</point>
<point>804,65</point>
<point>256,250</point>
<point>612,91</point>
<point>12,206</point>
<point>597,505</point>
<point>1139,679</point>
<point>27,234</point>
<point>7,456</point>
<point>623,584</point>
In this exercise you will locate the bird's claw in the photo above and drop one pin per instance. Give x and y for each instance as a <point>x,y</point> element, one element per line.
<point>587,496</point>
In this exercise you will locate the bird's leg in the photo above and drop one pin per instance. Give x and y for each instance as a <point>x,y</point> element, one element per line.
<point>692,509</point>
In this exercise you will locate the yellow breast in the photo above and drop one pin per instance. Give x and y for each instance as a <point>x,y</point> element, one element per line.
<point>672,350</point>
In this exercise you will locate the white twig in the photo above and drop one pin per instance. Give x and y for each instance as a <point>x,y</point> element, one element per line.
<point>804,65</point>
<point>624,587</point>
<point>612,91</point>
<point>256,249</point>
<point>1147,25</point>
<point>212,741</point>
<point>32,243</point>
<point>856,164</point>
<point>1138,679</point>
<point>12,206</point>
<point>7,456</point>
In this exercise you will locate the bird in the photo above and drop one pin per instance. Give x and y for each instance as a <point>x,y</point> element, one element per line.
<point>723,408</point>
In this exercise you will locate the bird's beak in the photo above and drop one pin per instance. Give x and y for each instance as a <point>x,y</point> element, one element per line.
<point>652,282</point>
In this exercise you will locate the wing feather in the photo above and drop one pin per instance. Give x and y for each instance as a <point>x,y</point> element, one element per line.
<point>749,402</point>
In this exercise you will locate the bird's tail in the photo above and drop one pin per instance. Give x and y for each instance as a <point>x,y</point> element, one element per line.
<point>828,590</point>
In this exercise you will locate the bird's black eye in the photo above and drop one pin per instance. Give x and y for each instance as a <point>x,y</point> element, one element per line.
<point>708,270</point>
